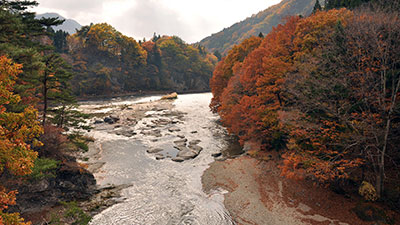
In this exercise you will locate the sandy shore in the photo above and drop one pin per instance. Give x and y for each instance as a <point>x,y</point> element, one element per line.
<point>257,194</point>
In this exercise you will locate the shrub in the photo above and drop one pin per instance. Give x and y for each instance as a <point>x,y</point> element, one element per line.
<point>53,139</point>
<point>368,191</point>
<point>44,168</point>
<point>75,214</point>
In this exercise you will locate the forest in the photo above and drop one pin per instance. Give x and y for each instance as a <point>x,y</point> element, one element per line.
<point>113,63</point>
<point>34,79</point>
<point>323,92</point>
<point>42,72</point>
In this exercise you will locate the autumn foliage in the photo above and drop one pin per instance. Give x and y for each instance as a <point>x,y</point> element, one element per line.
<point>109,62</point>
<point>17,134</point>
<point>323,90</point>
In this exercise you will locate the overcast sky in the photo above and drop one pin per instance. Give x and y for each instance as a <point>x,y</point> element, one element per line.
<point>192,20</point>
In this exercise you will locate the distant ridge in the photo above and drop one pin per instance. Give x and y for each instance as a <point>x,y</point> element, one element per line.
<point>69,25</point>
<point>263,22</point>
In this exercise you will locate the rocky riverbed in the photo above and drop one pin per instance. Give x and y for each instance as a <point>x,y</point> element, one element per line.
<point>159,150</point>
<point>155,121</point>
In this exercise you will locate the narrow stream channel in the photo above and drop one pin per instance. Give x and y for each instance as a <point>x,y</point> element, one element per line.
<point>161,191</point>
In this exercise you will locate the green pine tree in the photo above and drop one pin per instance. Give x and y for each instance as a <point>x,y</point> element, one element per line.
<point>317,6</point>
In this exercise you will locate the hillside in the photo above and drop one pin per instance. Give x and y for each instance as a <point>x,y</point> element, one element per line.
<point>263,22</point>
<point>109,62</point>
<point>69,25</point>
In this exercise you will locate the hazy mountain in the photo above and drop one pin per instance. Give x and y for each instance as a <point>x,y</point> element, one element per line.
<point>69,25</point>
<point>263,22</point>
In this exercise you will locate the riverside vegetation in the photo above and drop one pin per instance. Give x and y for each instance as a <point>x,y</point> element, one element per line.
<point>323,91</point>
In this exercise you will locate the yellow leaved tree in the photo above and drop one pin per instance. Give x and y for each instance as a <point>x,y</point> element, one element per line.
<point>18,132</point>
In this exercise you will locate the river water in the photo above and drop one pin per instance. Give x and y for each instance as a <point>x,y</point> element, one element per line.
<point>160,191</point>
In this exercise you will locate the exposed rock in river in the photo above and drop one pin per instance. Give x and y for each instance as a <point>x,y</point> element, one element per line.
<point>218,154</point>
<point>126,133</point>
<point>194,142</point>
<point>174,129</point>
<point>154,150</point>
<point>111,119</point>
<point>170,96</point>
<point>177,159</point>
<point>156,133</point>
<point>160,156</point>
<point>187,154</point>
<point>195,148</point>
<point>183,140</point>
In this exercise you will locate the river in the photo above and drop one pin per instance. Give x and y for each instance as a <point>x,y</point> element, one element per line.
<point>160,191</point>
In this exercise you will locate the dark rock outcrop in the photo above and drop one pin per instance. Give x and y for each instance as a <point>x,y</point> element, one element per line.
<point>70,183</point>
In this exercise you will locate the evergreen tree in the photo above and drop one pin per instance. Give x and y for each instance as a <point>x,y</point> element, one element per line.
<point>317,6</point>
<point>59,39</point>
<point>218,55</point>
<point>27,40</point>
<point>66,116</point>
<point>55,78</point>
<point>155,37</point>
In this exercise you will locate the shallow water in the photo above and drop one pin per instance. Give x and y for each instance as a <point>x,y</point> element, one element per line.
<point>162,191</point>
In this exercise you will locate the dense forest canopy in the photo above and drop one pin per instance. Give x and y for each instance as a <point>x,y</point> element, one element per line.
<point>322,90</point>
<point>114,63</point>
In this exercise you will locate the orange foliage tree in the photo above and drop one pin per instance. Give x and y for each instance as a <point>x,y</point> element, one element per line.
<point>224,70</point>
<point>347,86</point>
<point>372,63</point>
<point>252,98</point>
<point>17,133</point>
<point>326,87</point>
<point>319,142</point>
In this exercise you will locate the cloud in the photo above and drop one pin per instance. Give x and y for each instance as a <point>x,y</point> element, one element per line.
<point>73,7</point>
<point>191,20</point>
<point>149,16</point>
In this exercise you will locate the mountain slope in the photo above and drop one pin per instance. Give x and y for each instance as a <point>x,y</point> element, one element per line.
<point>69,25</point>
<point>263,22</point>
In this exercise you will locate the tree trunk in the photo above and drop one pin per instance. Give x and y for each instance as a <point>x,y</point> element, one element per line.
<point>381,161</point>
<point>379,179</point>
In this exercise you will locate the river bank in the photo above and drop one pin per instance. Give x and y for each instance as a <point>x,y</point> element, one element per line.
<point>258,194</point>
<point>130,95</point>
<point>141,178</point>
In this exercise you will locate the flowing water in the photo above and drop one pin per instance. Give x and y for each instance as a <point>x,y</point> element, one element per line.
<point>161,191</point>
